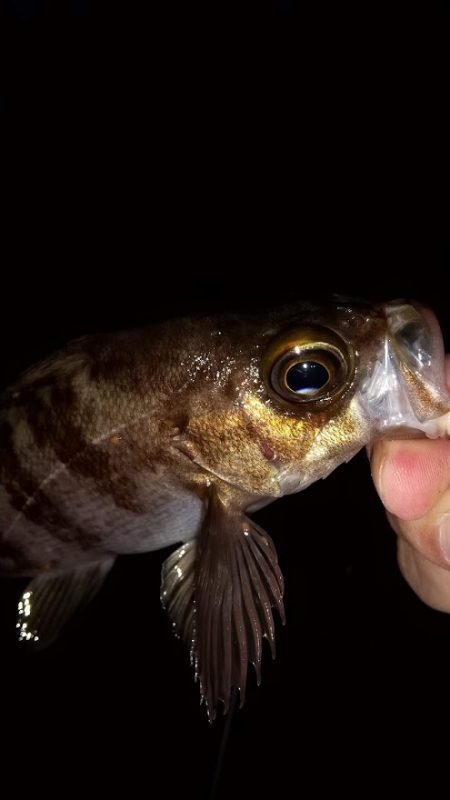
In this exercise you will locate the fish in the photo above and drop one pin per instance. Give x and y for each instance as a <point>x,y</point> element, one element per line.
<point>173,435</point>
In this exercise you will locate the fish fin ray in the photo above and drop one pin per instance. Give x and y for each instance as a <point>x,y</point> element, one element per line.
<point>50,600</point>
<point>177,589</point>
<point>237,583</point>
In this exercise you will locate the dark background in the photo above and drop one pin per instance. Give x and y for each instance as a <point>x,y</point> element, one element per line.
<point>185,159</point>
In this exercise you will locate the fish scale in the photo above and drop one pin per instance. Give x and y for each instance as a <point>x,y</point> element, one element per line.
<point>130,442</point>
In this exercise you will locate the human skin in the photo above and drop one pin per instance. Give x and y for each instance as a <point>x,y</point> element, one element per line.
<point>413,481</point>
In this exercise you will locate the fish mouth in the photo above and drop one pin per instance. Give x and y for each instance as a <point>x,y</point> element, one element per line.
<point>404,392</point>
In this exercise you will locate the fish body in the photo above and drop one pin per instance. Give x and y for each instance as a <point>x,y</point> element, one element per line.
<point>131,442</point>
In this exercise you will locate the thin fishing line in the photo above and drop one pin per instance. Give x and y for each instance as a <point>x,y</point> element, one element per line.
<point>223,744</point>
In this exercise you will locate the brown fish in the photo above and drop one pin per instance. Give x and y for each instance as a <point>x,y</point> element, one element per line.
<point>130,442</point>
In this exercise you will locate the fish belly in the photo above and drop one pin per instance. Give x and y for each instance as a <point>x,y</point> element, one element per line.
<point>73,522</point>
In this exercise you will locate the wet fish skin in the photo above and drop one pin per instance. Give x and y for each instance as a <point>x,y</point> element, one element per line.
<point>130,442</point>
<point>83,432</point>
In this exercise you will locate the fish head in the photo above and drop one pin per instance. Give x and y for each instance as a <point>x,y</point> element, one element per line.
<point>316,384</point>
<point>354,373</point>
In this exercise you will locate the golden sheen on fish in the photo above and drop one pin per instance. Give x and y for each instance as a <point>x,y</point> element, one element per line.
<point>130,442</point>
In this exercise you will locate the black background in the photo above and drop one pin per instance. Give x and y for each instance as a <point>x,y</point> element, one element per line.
<point>188,159</point>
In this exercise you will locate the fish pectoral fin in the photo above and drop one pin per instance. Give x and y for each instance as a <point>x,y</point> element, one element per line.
<point>177,589</point>
<point>50,600</point>
<point>219,595</point>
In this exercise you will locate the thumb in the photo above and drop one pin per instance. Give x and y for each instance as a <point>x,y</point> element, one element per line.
<point>410,476</point>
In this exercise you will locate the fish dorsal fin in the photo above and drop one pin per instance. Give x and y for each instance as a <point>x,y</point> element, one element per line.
<point>220,600</point>
<point>50,600</point>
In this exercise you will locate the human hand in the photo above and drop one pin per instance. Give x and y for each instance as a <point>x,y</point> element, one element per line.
<point>413,480</point>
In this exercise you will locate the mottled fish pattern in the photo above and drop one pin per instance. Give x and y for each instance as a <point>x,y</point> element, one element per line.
<point>133,441</point>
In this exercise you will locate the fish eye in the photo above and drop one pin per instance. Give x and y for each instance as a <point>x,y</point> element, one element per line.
<point>308,364</point>
<point>306,377</point>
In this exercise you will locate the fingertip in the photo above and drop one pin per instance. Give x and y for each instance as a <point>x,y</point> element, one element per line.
<point>410,475</point>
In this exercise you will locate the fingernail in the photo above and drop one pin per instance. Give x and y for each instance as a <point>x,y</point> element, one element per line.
<point>444,536</point>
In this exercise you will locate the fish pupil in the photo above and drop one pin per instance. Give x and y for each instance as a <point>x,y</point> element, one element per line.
<point>307,377</point>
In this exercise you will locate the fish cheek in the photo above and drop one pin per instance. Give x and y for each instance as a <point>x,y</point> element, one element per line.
<point>231,447</point>
<point>308,446</point>
<point>340,435</point>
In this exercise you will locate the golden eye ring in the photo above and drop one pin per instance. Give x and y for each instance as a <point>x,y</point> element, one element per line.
<point>308,365</point>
